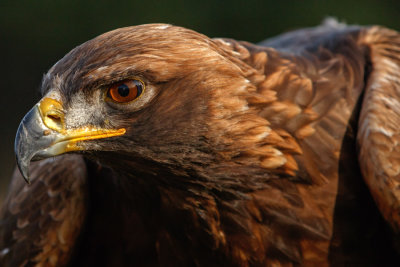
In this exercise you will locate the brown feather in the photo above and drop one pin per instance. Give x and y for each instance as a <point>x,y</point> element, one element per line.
<point>245,156</point>
<point>41,222</point>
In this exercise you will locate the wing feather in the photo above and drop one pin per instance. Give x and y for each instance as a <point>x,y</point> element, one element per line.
<point>379,133</point>
<point>41,221</point>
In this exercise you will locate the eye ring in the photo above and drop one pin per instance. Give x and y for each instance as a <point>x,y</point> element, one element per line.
<point>125,91</point>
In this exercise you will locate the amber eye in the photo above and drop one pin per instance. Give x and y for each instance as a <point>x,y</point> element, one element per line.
<point>125,91</point>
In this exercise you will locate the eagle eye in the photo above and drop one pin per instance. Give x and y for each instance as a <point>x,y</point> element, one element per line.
<point>125,91</point>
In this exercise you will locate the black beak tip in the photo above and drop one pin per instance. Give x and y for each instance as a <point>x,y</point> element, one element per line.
<point>30,140</point>
<point>24,170</point>
<point>24,145</point>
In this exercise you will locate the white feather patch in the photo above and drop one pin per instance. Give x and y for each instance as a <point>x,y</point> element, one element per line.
<point>162,27</point>
<point>4,252</point>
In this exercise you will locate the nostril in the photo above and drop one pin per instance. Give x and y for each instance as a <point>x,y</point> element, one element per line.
<point>54,121</point>
<point>52,113</point>
<point>54,117</point>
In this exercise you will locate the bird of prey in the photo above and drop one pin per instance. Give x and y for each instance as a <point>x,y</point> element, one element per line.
<point>175,149</point>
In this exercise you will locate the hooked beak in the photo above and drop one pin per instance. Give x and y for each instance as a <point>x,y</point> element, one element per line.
<point>42,133</point>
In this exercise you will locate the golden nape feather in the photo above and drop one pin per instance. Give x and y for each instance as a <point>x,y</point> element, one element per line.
<point>191,151</point>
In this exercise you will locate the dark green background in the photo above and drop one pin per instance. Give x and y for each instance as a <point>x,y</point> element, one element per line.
<point>35,34</point>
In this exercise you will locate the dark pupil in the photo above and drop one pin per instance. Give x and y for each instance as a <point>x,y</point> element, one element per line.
<point>123,90</point>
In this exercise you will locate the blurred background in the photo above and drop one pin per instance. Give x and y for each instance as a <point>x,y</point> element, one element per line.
<point>35,34</point>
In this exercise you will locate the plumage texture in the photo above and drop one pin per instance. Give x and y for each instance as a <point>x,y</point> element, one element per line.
<point>241,154</point>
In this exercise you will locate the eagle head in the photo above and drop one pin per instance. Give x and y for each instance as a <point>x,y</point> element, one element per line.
<point>139,95</point>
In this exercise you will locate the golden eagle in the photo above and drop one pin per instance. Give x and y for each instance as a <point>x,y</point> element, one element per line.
<point>190,151</point>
